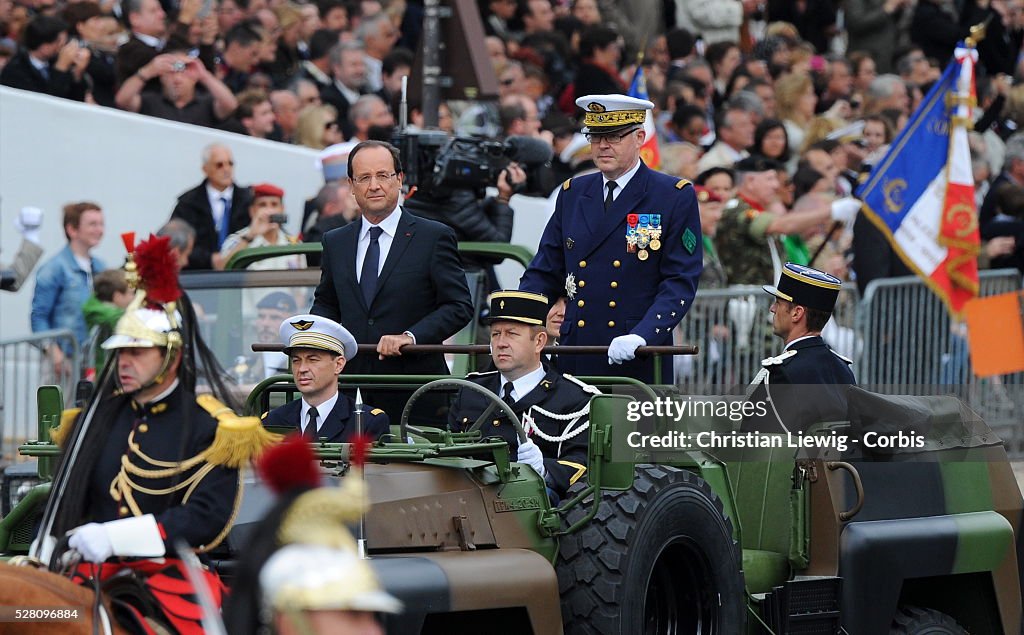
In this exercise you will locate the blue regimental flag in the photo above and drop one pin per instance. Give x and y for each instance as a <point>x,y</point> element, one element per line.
<point>921,194</point>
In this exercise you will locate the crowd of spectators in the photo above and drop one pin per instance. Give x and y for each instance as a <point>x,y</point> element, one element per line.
<point>815,89</point>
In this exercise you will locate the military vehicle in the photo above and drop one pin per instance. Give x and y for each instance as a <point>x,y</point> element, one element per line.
<point>750,540</point>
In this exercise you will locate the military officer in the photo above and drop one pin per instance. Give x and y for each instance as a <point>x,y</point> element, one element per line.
<point>554,407</point>
<point>154,464</point>
<point>623,245</point>
<point>318,349</point>
<point>753,232</point>
<point>804,301</point>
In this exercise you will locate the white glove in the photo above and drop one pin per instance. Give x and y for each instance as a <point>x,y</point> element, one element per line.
<point>845,210</point>
<point>92,542</point>
<point>530,454</point>
<point>29,220</point>
<point>136,536</point>
<point>623,348</point>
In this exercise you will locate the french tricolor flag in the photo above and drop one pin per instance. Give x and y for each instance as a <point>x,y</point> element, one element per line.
<point>921,194</point>
<point>649,150</point>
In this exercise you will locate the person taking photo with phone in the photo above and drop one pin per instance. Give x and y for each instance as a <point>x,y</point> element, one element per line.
<point>266,227</point>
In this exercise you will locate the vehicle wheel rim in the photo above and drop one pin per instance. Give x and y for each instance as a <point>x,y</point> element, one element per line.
<point>680,597</point>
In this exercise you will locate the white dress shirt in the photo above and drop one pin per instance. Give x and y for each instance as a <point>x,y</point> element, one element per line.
<point>322,411</point>
<point>390,226</point>
<point>522,386</point>
<point>217,206</point>
<point>621,182</point>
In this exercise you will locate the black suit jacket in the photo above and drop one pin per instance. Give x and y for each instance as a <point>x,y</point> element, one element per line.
<point>421,289</point>
<point>339,426</point>
<point>19,73</point>
<point>194,208</point>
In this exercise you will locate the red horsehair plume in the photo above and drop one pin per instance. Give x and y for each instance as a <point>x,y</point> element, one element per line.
<point>158,269</point>
<point>360,449</point>
<point>289,464</point>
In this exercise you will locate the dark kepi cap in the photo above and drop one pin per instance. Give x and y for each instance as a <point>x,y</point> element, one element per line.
<point>807,287</point>
<point>757,164</point>
<point>518,306</point>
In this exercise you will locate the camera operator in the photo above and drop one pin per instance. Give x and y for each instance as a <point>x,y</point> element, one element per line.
<point>473,217</point>
<point>266,228</point>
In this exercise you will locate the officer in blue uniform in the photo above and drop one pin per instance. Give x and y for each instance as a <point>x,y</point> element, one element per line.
<point>804,301</point>
<point>318,348</point>
<point>554,408</point>
<point>623,246</point>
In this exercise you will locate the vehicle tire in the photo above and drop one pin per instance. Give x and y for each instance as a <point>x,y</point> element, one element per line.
<point>913,620</point>
<point>657,559</point>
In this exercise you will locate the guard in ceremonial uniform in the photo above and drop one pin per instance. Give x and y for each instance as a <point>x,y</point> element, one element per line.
<point>301,573</point>
<point>623,245</point>
<point>318,348</point>
<point>805,385</point>
<point>154,465</point>
<point>554,408</point>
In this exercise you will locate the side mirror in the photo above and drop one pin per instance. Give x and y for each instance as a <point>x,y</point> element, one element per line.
<point>607,412</point>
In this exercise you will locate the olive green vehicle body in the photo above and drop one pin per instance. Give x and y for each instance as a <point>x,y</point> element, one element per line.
<point>469,539</point>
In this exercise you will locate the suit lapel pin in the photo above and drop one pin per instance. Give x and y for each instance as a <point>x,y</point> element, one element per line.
<point>569,243</point>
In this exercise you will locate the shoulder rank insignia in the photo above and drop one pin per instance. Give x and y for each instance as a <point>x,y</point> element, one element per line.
<point>778,359</point>
<point>681,183</point>
<point>60,434</point>
<point>376,411</point>
<point>264,415</point>
<point>566,184</point>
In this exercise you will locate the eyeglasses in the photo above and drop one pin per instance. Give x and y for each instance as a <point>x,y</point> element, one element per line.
<point>382,177</point>
<point>613,138</point>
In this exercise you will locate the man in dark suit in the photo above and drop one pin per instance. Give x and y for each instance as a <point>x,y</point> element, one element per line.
<point>623,245</point>
<point>554,408</point>
<point>391,278</point>
<point>216,208</point>
<point>47,62</point>
<point>804,301</point>
<point>318,349</point>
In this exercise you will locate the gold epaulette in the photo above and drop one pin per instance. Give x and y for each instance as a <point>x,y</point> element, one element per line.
<point>681,183</point>
<point>376,411</point>
<point>61,433</point>
<point>566,184</point>
<point>239,439</point>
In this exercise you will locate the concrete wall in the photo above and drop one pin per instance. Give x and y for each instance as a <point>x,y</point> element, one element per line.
<point>53,151</point>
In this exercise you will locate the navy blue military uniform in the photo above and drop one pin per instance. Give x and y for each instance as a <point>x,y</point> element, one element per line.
<point>565,460</point>
<point>610,290</point>
<point>152,436</point>
<point>339,426</point>
<point>807,385</point>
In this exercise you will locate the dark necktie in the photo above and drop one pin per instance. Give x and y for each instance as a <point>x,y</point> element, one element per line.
<point>608,200</point>
<point>368,278</point>
<point>225,215</point>
<point>310,431</point>
<point>506,394</point>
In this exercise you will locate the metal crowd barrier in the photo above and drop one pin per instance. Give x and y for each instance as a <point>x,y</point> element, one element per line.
<point>24,366</point>
<point>899,336</point>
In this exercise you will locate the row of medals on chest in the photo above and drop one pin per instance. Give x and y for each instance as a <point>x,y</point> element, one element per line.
<point>643,231</point>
